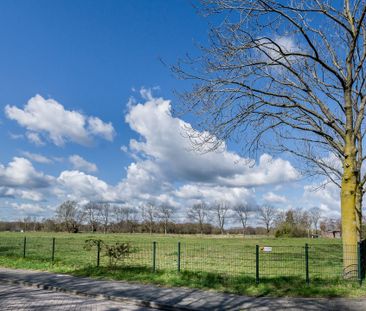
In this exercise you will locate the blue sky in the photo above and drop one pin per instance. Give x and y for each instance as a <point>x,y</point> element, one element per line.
<point>98,63</point>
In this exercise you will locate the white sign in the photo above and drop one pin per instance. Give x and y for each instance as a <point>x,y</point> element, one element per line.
<point>267,249</point>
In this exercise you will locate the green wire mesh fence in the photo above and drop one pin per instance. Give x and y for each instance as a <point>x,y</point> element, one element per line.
<point>229,260</point>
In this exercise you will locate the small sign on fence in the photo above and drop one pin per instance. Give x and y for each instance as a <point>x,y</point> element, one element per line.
<point>267,249</point>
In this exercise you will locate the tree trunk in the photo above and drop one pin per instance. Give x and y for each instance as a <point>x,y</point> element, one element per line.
<point>350,200</point>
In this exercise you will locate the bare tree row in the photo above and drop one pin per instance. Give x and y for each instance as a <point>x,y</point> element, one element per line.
<point>159,218</point>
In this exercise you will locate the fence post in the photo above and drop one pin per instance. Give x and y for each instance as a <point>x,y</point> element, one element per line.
<point>53,249</point>
<point>98,253</point>
<point>24,246</point>
<point>307,277</point>
<point>178,256</point>
<point>154,256</point>
<point>257,264</point>
<point>359,263</point>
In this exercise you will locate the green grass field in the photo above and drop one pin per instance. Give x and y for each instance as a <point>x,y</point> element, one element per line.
<point>225,263</point>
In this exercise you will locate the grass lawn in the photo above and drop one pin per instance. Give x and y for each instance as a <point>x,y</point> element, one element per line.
<point>224,263</point>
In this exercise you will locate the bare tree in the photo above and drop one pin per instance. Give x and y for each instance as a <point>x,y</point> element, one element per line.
<point>119,213</point>
<point>165,213</point>
<point>315,215</point>
<point>105,213</point>
<point>132,219</point>
<point>26,221</point>
<point>126,216</point>
<point>242,212</point>
<point>220,210</point>
<point>291,75</point>
<point>280,218</point>
<point>91,212</point>
<point>199,213</point>
<point>149,215</point>
<point>267,215</point>
<point>69,214</point>
<point>303,220</point>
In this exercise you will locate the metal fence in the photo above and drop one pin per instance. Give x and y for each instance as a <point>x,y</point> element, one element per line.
<point>255,262</point>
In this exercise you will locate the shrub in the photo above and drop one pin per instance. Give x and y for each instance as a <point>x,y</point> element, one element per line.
<point>117,252</point>
<point>90,243</point>
<point>290,231</point>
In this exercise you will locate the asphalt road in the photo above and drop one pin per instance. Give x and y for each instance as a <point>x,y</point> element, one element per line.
<point>16,297</point>
<point>19,298</point>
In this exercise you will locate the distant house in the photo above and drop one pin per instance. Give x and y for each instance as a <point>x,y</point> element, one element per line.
<point>333,234</point>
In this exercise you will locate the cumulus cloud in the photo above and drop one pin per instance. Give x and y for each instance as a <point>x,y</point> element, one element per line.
<point>14,193</point>
<point>49,119</point>
<point>20,173</point>
<point>80,186</point>
<point>164,141</point>
<point>80,163</point>
<point>20,180</point>
<point>97,127</point>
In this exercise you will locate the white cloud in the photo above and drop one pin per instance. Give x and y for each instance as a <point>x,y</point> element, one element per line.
<point>273,50</point>
<point>6,192</point>
<point>97,127</point>
<point>80,186</point>
<point>36,157</point>
<point>16,136</point>
<point>192,193</point>
<point>20,180</point>
<point>326,196</point>
<point>271,197</point>
<point>35,138</point>
<point>15,193</point>
<point>28,207</point>
<point>164,141</point>
<point>21,173</point>
<point>80,163</point>
<point>49,119</point>
<point>31,195</point>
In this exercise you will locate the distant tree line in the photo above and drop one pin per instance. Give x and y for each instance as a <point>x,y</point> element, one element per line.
<point>200,218</point>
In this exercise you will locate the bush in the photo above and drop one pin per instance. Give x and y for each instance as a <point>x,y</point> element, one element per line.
<point>90,243</point>
<point>290,231</point>
<point>117,252</point>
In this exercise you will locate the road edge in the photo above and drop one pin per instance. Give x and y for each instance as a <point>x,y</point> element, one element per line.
<point>136,302</point>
